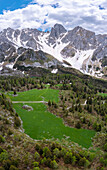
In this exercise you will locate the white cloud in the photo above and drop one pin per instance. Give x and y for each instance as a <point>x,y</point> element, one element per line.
<point>70,13</point>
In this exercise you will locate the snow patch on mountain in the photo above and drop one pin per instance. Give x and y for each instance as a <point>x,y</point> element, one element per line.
<point>52,49</point>
<point>1,66</point>
<point>79,58</point>
<point>54,71</point>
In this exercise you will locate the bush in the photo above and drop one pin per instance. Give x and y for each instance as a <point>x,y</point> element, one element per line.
<point>3,156</point>
<point>82,161</point>
<point>49,103</point>
<point>46,152</point>
<point>56,152</point>
<point>73,160</point>
<point>91,156</point>
<point>10,132</point>
<point>37,147</point>
<point>37,156</point>
<point>54,164</point>
<point>105,147</point>
<point>78,125</point>
<point>63,152</point>
<point>102,160</point>
<point>36,164</point>
<point>2,139</point>
<point>87,163</point>
<point>43,161</point>
<point>17,122</point>
<point>12,167</point>
<point>36,168</point>
<point>105,162</point>
<point>6,164</point>
<point>68,158</point>
<point>1,149</point>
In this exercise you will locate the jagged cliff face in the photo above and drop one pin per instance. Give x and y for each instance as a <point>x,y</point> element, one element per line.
<point>80,48</point>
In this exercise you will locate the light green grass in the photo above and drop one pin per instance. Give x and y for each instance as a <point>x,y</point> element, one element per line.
<point>102,94</point>
<point>40,124</point>
<point>36,95</point>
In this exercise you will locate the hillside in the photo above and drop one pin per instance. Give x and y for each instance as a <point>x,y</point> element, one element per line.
<point>79,102</point>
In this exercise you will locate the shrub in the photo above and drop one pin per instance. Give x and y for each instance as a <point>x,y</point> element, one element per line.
<point>82,161</point>
<point>105,162</point>
<point>6,164</point>
<point>63,152</point>
<point>2,139</point>
<point>39,149</point>
<point>73,160</point>
<point>17,122</point>
<point>105,147</point>
<point>54,164</point>
<point>36,164</point>
<point>12,167</point>
<point>102,160</point>
<point>15,162</point>
<point>46,152</point>
<point>36,168</point>
<point>1,149</point>
<point>15,92</point>
<point>43,161</point>
<point>68,158</point>
<point>48,162</point>
<point>53,146</point>
<point>56,152</point>
<point>3,156</point>
<point>78,125</point>
<point>91,156</point>
<point>49,103</point>
<point>10,132</point>
<point>87,163</point>
<point>37,156</point>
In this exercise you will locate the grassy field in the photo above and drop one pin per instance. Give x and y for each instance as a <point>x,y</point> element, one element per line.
<point>36,95</point>
<point>39,123</point>
<point>103,94</point>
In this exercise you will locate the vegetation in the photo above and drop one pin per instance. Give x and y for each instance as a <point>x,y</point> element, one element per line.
<point>40,124</point>
<point>36,95</point>
<point>78,101</point>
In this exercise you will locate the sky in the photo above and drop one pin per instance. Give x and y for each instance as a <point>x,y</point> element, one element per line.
<point>44,14</point>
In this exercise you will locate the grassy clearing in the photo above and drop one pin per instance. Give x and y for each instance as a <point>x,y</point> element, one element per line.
<point>103,94</point>
<point>36,95</point>
<point>39,123</point>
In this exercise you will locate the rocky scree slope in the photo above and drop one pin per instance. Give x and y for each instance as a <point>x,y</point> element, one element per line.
<point>77,48</point>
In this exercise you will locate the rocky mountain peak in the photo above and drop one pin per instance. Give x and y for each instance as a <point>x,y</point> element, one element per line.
<point>81,31</point>
<point>57,30</point>
<point>81,48</point>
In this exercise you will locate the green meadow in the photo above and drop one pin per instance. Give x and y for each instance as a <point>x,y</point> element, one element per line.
<point>103,94</point>
<point>40,124</point>
<point>36,95</point>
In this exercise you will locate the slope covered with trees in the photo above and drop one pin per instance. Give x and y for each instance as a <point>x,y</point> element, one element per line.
<point>82,104</point>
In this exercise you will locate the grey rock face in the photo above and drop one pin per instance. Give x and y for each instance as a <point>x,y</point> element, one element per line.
<point>81,39</point>
<point>100,52</point>
<point>57,30</point>
<point>25,45</point>
<point>68,51</point>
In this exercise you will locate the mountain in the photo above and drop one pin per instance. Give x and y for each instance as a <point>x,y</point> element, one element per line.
<point>31,48</point>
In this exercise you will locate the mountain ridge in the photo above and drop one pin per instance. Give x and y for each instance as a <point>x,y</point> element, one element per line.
<point>82,49</point>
